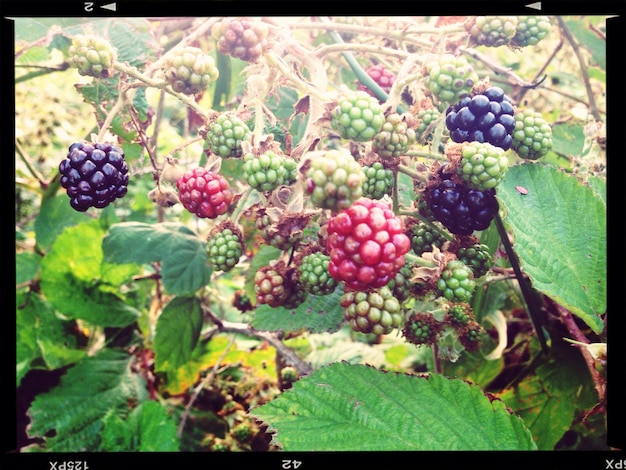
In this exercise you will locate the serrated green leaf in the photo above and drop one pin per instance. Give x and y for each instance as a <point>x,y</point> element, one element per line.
<point>547,400</point>
<point>560,237</point>
<point>317,314</point>
<point>177,333</point>
<point>371,410</point>
<point>55,214</point>
<point>149,428</point>
<point>73,411</point>
<point>185,267</point>
<point>76,282</point>
<point>130,37</point>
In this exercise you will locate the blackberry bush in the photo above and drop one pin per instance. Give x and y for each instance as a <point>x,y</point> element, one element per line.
<point>94,175</point>
<point>484,117</point>
<point>424,236</point>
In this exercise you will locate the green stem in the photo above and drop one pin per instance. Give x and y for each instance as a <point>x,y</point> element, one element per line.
<point>420,261</point>
<point>240,205</point>
<point>412,173</point>
<point>529,295</point>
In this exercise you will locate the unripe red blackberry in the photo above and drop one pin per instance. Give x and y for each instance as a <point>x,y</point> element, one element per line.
<point>92,56</point>
<point>272,286</point>
<point>242,38</point>
<point>366,244</point>
<point>204,193</point>
<point>189,70</point>
<point>94,175</point>
<point>376,311</point>
<point>383,77</point>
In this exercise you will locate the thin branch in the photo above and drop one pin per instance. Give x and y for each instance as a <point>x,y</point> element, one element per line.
<point>583,68</point>
<point>272,338</point>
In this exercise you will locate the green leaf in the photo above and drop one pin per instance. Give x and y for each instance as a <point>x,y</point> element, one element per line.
<point>568,139</point>
<point>560,237</point>
<point>72,412</point>
<point>76,282</point>
<point>177,333</point>
<point>55,214</point>
<point>185,267</point>
<point>149,428</point>
<point>547,400</point>
<point>371,410</point>
<point>317,314</point>
<point>26,266</point>
<point>586,37</point>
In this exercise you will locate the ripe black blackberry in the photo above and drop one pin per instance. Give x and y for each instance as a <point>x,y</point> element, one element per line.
<point>94,175</point>
<point>462,209</point>
<point>484,117</point>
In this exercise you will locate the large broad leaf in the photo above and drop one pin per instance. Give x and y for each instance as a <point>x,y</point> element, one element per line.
<point>560,237</point>
<point>76,281</point>
<point>177,333</point>
<point>41,334</point>
<point>185,267</point>
<point>346,407</point>
<point>72,412</point>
